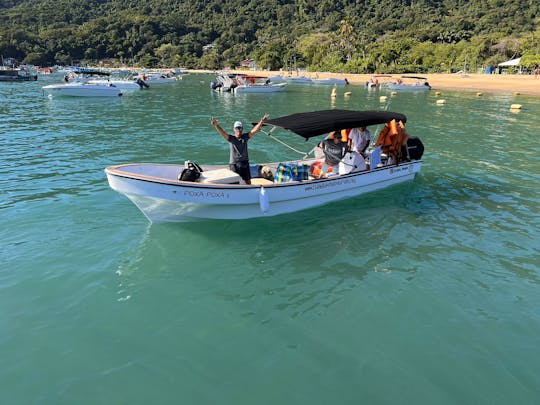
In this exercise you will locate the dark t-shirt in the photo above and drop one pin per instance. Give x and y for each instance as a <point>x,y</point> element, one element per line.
<point>239,149</point>
<point>334,152</point>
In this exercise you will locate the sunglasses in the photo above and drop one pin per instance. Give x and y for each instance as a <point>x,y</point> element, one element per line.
<point>239,128</point>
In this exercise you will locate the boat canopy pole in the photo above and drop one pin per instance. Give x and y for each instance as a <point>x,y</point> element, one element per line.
<point>269,133</point>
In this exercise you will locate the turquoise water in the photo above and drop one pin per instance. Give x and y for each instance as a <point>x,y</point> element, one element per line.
<point>425,293</point>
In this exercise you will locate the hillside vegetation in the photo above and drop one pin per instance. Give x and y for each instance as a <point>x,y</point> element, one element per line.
<point>324,35</point>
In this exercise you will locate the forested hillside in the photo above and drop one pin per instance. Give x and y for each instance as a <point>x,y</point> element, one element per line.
<point>328,35</point>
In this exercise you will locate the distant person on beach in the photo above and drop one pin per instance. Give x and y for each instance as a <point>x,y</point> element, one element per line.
<point>239,159</point>
<point>537,71</point>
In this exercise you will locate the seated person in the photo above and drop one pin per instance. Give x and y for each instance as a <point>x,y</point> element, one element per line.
<point>359,139</point>
<point>334,149</point>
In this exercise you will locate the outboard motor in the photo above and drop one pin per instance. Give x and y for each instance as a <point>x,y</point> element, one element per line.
<point>215,86</point>
<point>415,148</point>
<point>142,84</point>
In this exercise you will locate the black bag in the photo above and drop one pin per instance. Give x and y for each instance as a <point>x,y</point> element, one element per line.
<point>191,173</point>
<point>415,148</point>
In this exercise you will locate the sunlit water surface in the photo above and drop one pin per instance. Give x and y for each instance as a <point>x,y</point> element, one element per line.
<point>424,293</point>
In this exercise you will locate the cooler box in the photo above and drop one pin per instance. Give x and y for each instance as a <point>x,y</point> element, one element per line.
<point>220,176</point>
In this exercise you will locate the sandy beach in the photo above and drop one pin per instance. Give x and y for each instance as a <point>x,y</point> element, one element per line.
<point>495,83</point>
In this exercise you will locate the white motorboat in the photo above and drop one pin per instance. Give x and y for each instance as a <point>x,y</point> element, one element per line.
<point>17,74</point>
<point>159,78</point>
<point>410,83</point>
<point>82,90</point>
<point>378,81</point>
<point>246,84</point>
<point>224,82</point>
<point>156,190</point>
<point>256,84</point>
<point>123,85</point>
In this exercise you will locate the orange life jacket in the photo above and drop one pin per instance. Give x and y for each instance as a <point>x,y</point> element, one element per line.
<point>391,140</point>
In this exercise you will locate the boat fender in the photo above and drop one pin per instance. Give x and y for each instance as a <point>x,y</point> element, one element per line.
<point>263,200</point>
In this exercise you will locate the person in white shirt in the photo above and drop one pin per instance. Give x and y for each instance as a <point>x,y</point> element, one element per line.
<point>359,139</point>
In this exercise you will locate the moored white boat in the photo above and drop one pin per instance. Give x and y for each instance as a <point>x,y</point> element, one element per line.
<point>123,85</point>
<point>17,74</point>
<point>411,83</point>
<point>159,77</point>
<point>260,88</point>
<point>378,81</point>
<point>155,189</point>
<point>82,90</point>
<point>246,84</point>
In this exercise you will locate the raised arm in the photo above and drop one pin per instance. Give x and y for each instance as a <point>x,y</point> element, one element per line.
<point>218,128</point>
<point>257,127</point>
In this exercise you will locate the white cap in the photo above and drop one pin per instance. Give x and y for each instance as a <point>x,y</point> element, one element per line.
<point>238,124</point>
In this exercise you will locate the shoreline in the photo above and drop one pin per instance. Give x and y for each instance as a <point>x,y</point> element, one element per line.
<point>472,82</point>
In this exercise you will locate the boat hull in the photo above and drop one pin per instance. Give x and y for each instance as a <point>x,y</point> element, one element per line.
<point>154,190</point>
<point>261,88</point>
<point>123,85</point>
<point>407,87</point>
<point>82,90</point>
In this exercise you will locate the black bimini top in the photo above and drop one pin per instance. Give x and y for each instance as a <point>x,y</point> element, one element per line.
<point>310,124</point>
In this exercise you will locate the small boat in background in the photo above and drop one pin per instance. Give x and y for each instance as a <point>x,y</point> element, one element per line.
<point>378,81</point>
<point>78,82</point>
<point>414,83</point>
<point>18,74</point>
<point>82,90</point>
<point>158,77</point>
<point>246,84</point>
<point>257,84</point>
<point>291,79</point>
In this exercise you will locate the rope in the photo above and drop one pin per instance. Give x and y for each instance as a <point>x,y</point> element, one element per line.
<point>287,146</point>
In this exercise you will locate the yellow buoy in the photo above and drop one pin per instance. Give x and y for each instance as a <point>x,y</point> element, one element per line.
<point>517,93</point>
<point>382,99</point>
<point>441,102</point>
<point>479,94</point>
<point>334,92</point>
<point>515,107</point>
<point>347,93</point>
<point>437,93</point>
<point>394,93</point>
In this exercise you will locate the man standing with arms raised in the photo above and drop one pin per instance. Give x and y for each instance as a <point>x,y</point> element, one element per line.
<point>239,159</point>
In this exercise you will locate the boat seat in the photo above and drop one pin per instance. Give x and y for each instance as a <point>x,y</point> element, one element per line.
<point>259,181</point>
<point>220,176</point>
